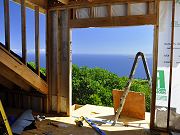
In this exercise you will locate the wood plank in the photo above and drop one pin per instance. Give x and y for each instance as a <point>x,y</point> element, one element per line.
<point>22,71</point>
<point>134,106</point>
<point>59,64</point>
<point>128,9</point>
<point>64,1</point>
<point>16,79</point>
<point>37,45</point>
<point>114,21</point>
<point>23,29</point>
<point>7,24</point>
<point>32,3</point>
<point>48,59</point>
<point>81,4</point>
<point>155,62</point>
<point>171,63</point>
<point>65,63</point>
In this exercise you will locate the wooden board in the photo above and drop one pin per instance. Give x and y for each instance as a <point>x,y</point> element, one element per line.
<point>134,105</point>
<point>16,71</point>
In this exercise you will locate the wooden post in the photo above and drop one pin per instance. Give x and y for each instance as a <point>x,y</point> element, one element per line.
<point>64,54</point>
<point>37,48</point>
<point>171,61</point>
<point>155,62</point>
<point>23,28</point>
<point>59,62</point>
<point>7,24</point>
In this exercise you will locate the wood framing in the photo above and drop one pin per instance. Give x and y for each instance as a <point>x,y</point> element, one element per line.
<point>23,29</point>
<point>7,24</point>
<point>59,62</point>
<point>78,4</point>
<point>18,73</point>
<point>114,21</point>
<point>64,1</point>
<point>42,4</point>
<point>155,62</point>
<point>171,63</point>
<point>37,45</point>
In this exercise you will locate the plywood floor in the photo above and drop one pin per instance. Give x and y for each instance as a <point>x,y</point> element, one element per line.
<point>66,125</point>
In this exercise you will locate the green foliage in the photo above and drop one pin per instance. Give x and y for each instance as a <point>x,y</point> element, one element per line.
<point>95,85</point>
<point>42,70</point>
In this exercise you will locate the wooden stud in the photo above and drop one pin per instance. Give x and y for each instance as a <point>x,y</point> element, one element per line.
<point>171,61</point>
<point>155,64</point>
<point>37,46</point>
<point>23,28</point>
<point>59,64</point>
<point>48,58</point>
<point>91,12</point>
<point>128,9</point>
<point>109,10</point>
<point>32,3</point>
<point>74,13</point>
<point>7,24</point>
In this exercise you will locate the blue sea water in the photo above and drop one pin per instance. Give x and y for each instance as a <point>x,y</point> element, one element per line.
<point>118,64</point>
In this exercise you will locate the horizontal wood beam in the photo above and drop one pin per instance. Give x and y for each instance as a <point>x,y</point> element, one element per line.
<point>42,4</point>
<point>20,72</point>
<point>78,4</point>
<point>64,1</point>
<point>114,21</point>
<point>14,78</point>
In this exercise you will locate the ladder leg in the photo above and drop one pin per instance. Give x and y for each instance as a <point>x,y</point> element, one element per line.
<point>5,119</point>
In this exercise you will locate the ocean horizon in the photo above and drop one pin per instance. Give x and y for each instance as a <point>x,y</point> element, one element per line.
<point>117,64</point>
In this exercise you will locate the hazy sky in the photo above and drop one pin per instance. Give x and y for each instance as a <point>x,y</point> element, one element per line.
<point>119,40</point>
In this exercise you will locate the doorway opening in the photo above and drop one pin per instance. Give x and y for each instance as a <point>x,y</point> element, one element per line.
<point>102,59</point>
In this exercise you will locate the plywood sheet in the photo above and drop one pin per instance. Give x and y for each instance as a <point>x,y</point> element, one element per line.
<point>134,105</point>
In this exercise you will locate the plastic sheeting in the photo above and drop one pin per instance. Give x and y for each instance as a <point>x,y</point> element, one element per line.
<point>119,10</point>
<point>100,11</point>
<point>138,9</point>
<point>83,13</point>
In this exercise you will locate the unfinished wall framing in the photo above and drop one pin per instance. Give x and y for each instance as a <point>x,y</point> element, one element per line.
<point>60,21</point>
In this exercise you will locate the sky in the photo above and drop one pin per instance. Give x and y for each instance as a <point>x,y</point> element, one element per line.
<point>118,40</point>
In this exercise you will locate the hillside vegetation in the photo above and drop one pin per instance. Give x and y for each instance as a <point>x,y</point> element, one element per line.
<point>95,85</point>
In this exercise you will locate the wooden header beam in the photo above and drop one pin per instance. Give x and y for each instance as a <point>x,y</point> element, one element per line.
<point>114,21</point>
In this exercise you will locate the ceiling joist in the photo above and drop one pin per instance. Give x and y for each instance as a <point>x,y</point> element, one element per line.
<point>64,1</point>
<point>42,4</point>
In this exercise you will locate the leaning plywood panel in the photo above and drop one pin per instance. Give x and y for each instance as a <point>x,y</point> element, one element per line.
<point>134,104</point>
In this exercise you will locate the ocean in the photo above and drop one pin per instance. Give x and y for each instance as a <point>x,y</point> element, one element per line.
<point>118,64</point>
